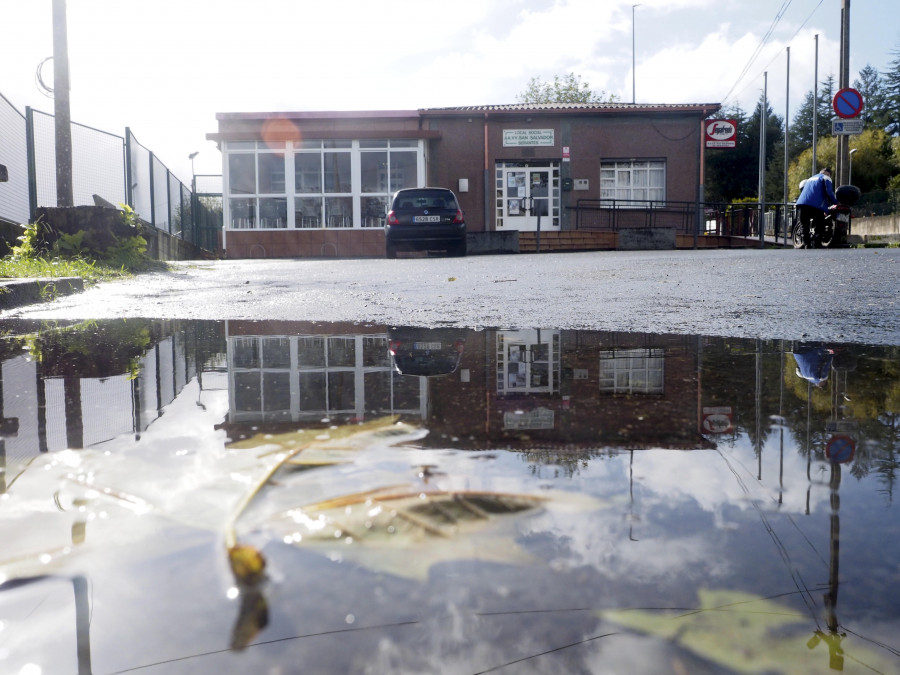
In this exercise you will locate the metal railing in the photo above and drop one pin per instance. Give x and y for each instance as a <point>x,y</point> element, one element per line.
<point>114,169</point>
<point>734,220</point>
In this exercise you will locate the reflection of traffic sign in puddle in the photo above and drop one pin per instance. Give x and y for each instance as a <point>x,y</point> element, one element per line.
<point>840,449</point>
<point>717,420</point>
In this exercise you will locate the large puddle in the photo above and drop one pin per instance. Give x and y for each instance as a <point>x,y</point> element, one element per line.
<point>242,497</point>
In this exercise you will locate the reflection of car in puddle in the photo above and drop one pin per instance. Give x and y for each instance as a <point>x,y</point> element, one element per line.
<point>426,351</point>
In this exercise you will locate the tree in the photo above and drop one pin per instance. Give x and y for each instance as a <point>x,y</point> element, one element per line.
<point>801,131</point>
<point>566,89</point>
<point>870,85</point>
<point>892,94</point>
<point>733,174</point>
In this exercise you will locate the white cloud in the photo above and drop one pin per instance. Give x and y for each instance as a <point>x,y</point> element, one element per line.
<point>166,67</point>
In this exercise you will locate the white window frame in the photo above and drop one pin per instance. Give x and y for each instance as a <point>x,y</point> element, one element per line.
<point>632,371</point>
<point>288,150</point>
<point>359,369</point>
<point>633,183</point>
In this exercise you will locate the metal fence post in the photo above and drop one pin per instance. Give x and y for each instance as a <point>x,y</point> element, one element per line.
<point>152,193</point>
<point>129,178</point>
<point>32,171</point>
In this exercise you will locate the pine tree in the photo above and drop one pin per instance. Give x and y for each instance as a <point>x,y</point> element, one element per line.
<point>870,85</point>
<point>891,81</point>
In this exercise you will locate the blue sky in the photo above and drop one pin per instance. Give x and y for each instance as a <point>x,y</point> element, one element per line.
<point>166,67</point>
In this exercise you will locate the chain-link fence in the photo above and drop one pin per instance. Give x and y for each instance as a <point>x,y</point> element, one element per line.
<point>14,156</point>
<point>107,167</point>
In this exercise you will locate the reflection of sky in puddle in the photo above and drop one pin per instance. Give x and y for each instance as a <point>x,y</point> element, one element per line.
<point>647,518</point>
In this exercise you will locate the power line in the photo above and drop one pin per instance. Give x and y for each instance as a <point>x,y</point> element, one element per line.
<point>793,37</point>
<point>762,43</point>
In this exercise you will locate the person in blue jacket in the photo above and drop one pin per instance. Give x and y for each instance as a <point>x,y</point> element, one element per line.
<point>813,203</point>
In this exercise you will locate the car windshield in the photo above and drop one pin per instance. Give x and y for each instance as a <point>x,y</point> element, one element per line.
<point>424,199</point>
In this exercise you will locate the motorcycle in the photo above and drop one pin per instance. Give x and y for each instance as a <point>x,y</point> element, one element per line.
<point>832,232</point>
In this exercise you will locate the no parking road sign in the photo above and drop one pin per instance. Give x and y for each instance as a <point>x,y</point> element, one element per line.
<point>840,448</point>
<point>847,103</point>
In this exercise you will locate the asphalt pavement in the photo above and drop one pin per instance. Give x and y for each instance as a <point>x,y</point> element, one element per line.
<point>846,295</point>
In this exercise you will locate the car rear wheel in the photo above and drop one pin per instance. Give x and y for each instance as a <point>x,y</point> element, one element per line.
<point>390,250</point>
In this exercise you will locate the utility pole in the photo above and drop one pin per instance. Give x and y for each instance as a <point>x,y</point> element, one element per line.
<point>815,166</point>
<point>63,119</point>
<point>843,140</point>
<point>763,118</point>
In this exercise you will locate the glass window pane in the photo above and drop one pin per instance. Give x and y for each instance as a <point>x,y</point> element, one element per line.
<point>337,172</point>
<point>245,353</point>
<point>243,213</point>
<point>337,144</point>
<point>242,174</point>
<point>377,387</point>
<point>273,212</point>
<point>277,391</point>
<point>403,170</point>
<point>338,212</point>
<point>308,145</point>
<point>405,143</point>
<point>374,210</point>
<point>241,145</point>
<point>271,173</point>
<point>342,390</point>
<point>276,353</point>
<point>377,143</point>
<point>308,172</point>
<point>308,212</point>
<point>312,391</point>
<point>375,352</point>
<point>341,352</point>
<point>374,171</point>
<point>406,393</point>
<point>247,394</point>
<point>311,352</point>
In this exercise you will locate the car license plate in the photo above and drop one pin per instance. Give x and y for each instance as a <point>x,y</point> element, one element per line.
<point>426,219</point>
<point>432,346</point>
<point>843,218</point>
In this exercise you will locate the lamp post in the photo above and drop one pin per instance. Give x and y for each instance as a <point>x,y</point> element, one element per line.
<point>193,175</point>
<point>632,53</point>
<point>194,215</point>
<point>850,166</point>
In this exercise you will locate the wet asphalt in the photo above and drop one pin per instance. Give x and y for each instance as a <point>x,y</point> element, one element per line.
<point>847,295</point>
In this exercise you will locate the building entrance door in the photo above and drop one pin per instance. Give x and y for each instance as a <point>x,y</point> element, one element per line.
<point>526,193</point>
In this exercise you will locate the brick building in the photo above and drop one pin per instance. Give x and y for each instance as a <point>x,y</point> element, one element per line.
<point>313,184</point>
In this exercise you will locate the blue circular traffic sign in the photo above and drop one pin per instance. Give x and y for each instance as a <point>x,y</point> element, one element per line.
<point>840,449</point>
<point>847,103</point>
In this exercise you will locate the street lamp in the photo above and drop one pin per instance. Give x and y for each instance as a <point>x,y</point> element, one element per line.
<point>632,53</point>
<point>850,167</point>
<point>193,175</point>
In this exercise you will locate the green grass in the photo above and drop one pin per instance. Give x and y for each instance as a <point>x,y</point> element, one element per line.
<point>12,267</point>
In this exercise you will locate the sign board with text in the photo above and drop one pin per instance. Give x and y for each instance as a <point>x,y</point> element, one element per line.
<point>513,138</point>
<point>847,127</point>
<point>721,133</point>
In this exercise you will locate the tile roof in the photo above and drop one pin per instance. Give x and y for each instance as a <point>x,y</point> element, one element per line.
<point>574,107</point>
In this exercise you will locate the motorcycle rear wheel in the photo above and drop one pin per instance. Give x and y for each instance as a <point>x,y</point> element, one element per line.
<point>797,236</point>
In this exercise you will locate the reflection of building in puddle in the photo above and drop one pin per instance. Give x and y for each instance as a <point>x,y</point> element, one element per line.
<point>311,377</point>
<point>522,388</point>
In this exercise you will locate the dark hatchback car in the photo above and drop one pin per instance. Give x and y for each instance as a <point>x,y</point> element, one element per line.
<point>425,219</point>
<point>426,351</point>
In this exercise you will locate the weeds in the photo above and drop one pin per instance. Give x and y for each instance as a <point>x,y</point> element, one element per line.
<point>70,256</point>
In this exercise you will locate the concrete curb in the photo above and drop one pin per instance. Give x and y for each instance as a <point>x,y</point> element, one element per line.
<point>17,292</point>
